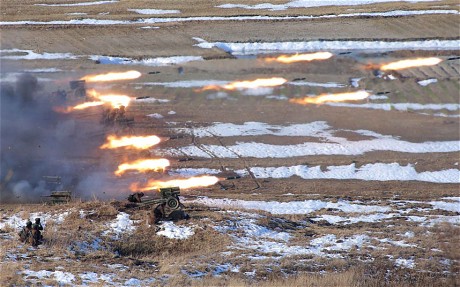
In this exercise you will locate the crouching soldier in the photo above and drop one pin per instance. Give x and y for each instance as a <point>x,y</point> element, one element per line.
<point>37,236</point>
<point>26,232</point>
<point>159,213</point>
<point>136,197</point>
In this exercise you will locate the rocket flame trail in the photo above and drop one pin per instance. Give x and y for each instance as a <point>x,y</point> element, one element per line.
<point>143,165</point>
<point>410,63</point>
<point>325,98</point>
<point>132,142</point>
<point>114,76</point>
<point>87,105</point>
<point>199,181</point>
<point>300,57</point>
<point>78,107</point>
<point>114,100</point>
<point>258,83</point>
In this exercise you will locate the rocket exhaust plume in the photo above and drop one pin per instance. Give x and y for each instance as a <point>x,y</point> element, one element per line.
<point>286,59</point>
<point>114,100</point>
<point>258,83</point>
<point>405,64</point>
<point>410,63</point>
<point>143,165</point>
<point>78,107</point>
<point>326,98</point>
<point>130,142</point>
<point>114,76</point>
<point>199,181</point>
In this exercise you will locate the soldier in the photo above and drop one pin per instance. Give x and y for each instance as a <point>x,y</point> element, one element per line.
<point>105,117</point>
<point>37,227</point>
<point>136,197</point>
<point>112,116</point>
<point>26,231</point>
<point>121,112</point>
<point>159,212</point>
<point>120,116</point>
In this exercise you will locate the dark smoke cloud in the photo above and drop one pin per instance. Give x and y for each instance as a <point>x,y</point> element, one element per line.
<point>36,141</point>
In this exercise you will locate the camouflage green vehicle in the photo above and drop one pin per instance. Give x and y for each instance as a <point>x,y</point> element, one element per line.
<point>169,197</point>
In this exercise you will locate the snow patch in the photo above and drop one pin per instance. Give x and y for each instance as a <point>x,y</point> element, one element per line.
<point>310,3</point>
<point>313,129</point>
<point>340,147</point>
<point>150,27</point>
<point>18,54</point>
<point>154,11</point>
<point>406,263</point>
<point>172,231</point>
<point>292,207</point>
<point>186,172</point>
<point>153,62</point>
<point>122,224</point>
<point>155,115</point>
<point>152,100</point>
<point>377,97</point>
<point>249,48</point>
<point>354,82</point>
<point>43,70</point>
<point>335,219</point>
<point>448,206</point>
<point>59,276</point>
<point>425,83</point>
<point>376,171</point>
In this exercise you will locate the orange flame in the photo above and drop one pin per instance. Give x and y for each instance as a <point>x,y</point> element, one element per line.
<point>325,98</point>
<point>78,107</point>
<point>199,181</point>
<point>300,57</point>
<point>404,64</point>
<point>410,63</point>
<point>143,165</point>
<point>115,101</point>
<point>258,83</point>
<point>114,76</point>
<point>133,142</point>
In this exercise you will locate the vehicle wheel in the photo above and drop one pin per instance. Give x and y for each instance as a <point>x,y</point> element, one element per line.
<point>173,203</point>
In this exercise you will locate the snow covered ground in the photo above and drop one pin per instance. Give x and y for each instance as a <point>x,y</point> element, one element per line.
<point>339,147</point>
<point>255,238</point>
<point>310,4</point>
<point>154,62</point>
<point>154,11</point>
<point>19,54</point>
<point>253,48</point>
<point>371,171</point>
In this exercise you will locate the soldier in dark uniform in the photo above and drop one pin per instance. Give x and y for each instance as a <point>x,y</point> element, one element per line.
<point>135,197</point>
<point>105,117</point>
<point>26,231</point>
<point>36,231</point>
<point>112,116</point>
<point>159,212</point>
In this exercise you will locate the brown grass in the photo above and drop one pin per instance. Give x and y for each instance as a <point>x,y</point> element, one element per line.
<point>142,243</point>
<point>10,274</point>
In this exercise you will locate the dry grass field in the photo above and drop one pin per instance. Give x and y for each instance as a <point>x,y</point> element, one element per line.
<point>352,193</point>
